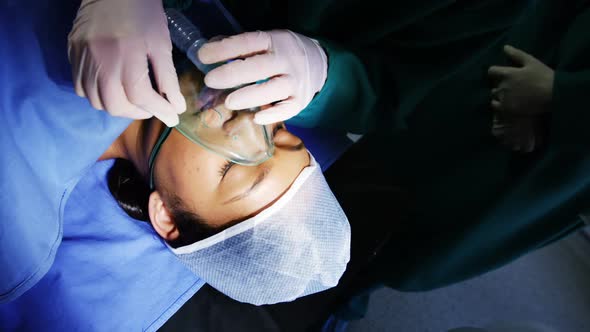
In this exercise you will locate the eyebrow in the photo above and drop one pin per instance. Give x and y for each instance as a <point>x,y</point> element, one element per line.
<point>256,182</point>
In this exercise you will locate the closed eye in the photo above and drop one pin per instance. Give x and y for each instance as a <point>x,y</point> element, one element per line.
<point>223,170</point>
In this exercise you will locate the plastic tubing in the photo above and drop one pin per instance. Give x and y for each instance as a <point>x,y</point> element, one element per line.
<point>186,36</point>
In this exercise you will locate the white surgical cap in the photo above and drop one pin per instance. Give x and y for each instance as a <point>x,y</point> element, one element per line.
<point>298,246</point>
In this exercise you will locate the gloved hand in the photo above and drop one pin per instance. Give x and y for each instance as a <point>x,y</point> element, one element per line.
<point>519,96</point>
<point>526,89</point>
<point>295,66</point>
<point>109,48</point>
<point>520,133</point>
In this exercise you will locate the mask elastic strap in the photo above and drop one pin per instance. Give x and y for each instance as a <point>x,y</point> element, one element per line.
<point>154,153</point>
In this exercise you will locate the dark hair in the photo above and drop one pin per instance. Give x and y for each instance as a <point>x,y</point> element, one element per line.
<point>132,194</point>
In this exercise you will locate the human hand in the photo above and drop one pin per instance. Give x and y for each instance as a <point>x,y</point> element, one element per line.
<point>519,96</point>
<point>295,66</point>
<point>109,47</point>
<point>520,133</point>
<point>525,89</point>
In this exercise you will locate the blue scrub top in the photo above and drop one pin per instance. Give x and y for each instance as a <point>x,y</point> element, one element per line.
<point>49,138</point>
<point>71,258</point>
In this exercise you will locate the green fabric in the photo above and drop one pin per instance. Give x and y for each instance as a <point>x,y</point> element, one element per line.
<point>334,101</point>
<point>371,43</point>
<point>412,76</point>
<point>571,112</point>
<point>572,81</point>
<point>499,205</point>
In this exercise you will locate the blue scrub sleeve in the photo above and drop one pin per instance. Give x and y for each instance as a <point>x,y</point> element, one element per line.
<point>49,137</point>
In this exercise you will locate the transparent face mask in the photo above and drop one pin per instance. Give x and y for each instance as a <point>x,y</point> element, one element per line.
<point>230,134</point>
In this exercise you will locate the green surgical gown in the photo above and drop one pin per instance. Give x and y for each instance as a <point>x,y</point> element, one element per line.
<point>412,77</point>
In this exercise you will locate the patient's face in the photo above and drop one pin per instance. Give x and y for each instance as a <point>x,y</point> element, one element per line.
<point>220,191</point>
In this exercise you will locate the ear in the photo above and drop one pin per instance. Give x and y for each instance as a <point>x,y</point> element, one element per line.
<point>161,218</point>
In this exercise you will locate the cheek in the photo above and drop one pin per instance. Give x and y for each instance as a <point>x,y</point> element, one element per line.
<point>284,138</point>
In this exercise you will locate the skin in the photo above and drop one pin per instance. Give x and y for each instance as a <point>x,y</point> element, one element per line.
<point>196,176</point>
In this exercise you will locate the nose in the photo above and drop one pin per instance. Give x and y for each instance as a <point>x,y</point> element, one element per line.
<point>238,121</point>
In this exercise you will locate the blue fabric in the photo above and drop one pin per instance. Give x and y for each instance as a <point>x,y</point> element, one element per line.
<point>49,137</point>
<point>325,145</point>
<point>111,273</point>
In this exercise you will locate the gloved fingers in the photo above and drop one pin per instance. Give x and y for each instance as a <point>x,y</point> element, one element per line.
<point>250,70</point>
<point>138,87</point>
<point>217,38</point>
<point>116,103</point>
<point>71,47</point>
<point>524,135</point>
<point>501,72</point>
<point>89,80</point>
<point>167,80</point>
<point>242,45</point>
<point>496,121</point>
<point>141,94</point>
<point>281,111</point>
<point>153,103</point>
<point>498,94</point>
<point>79,57</point>
<point>517,56</point>
<point>530,143</point>
<point>498,130</point>
<point>498,126</point>
<point>496,105</point>
<point>273,90</point>
<point>517,133</point>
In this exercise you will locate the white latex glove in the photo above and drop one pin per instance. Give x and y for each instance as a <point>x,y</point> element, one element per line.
<point>109,48</point>
<point>295,65</point>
